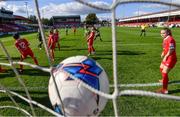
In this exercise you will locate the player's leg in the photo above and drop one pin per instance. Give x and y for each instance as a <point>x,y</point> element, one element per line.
<point>52,54</point>
<point>93,50</point>
<point>66,32</point>
<point>34,58</point>
<point>95,37</point>
<point>168,65</point>
<point>89,47</point>
<point>144,32</point>
<point>165,80</point>
<point>40,45</point>
<point>100,37</point>
<point>89,50</point>
<point>58,45</point>
<point>161,69</point>
<point>141,33</point>
<point>165,72</point>
<point>22,57</point>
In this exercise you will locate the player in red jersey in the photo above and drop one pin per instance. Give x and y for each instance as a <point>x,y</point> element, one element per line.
<point>56,37</point>
<point>169,58</point>
<point>23,46</point>
<point>90,41</point>
<point>51,44</point>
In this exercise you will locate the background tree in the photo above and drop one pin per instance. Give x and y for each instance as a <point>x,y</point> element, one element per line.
<point>51,21</point>
<point>91,19</point>
<point>45,21</point>
<point>33,19</point>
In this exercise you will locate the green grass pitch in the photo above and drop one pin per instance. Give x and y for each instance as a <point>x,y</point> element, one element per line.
<point>138,62</point>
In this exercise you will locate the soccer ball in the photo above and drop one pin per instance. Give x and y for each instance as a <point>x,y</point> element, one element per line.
<point>78,100</point>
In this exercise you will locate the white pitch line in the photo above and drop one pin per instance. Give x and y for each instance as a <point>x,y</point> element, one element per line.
<point>141,44</point>
<point>29,88</point>
<point>146,84</point>
<point>111,86</point>
<point>138,85</point>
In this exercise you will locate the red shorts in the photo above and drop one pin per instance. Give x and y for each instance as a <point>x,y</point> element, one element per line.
<point>53,46</point>
<point>90,42</point>
<point>170,63</point>
<point>29,52</point>
<point>56,39</point>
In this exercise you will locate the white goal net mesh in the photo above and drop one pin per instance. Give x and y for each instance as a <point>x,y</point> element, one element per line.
<point>13,95</point>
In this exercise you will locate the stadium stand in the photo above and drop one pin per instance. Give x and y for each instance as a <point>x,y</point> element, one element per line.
<point>167,18</point>
<point>64,21</point>
<point>10,23</point>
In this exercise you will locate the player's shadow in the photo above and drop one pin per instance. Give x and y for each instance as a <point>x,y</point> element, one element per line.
<point>69,39</point>
<point>73,49</point>
<point>42,100</point>
<point>66,49</point>
<point>176,90</point>
<point>64,46</point>
<point>79,49</point>
<point>174,82</point>
<point>111,41</point>
<point>102,52</point>
<point>13,58</point>
<point>130,53</point>
<point>7,73</point>
<point>30,72</point>
<point>99,58</point>
<point>153,36</point>
<point>22,91</point>
<point>34,72</point>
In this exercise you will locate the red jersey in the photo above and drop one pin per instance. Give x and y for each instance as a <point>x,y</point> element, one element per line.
<point>169,43</point>
<point>51,41</point>
<point>23,47</point>
<point>91,37</point>
<point>56,36</point>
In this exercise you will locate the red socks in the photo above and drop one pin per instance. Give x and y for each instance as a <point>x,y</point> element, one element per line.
<point>35,61</point>
<point>89,50</point>
<point>165,80</point>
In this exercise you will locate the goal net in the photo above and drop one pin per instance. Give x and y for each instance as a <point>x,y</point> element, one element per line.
<point>18,99</point>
